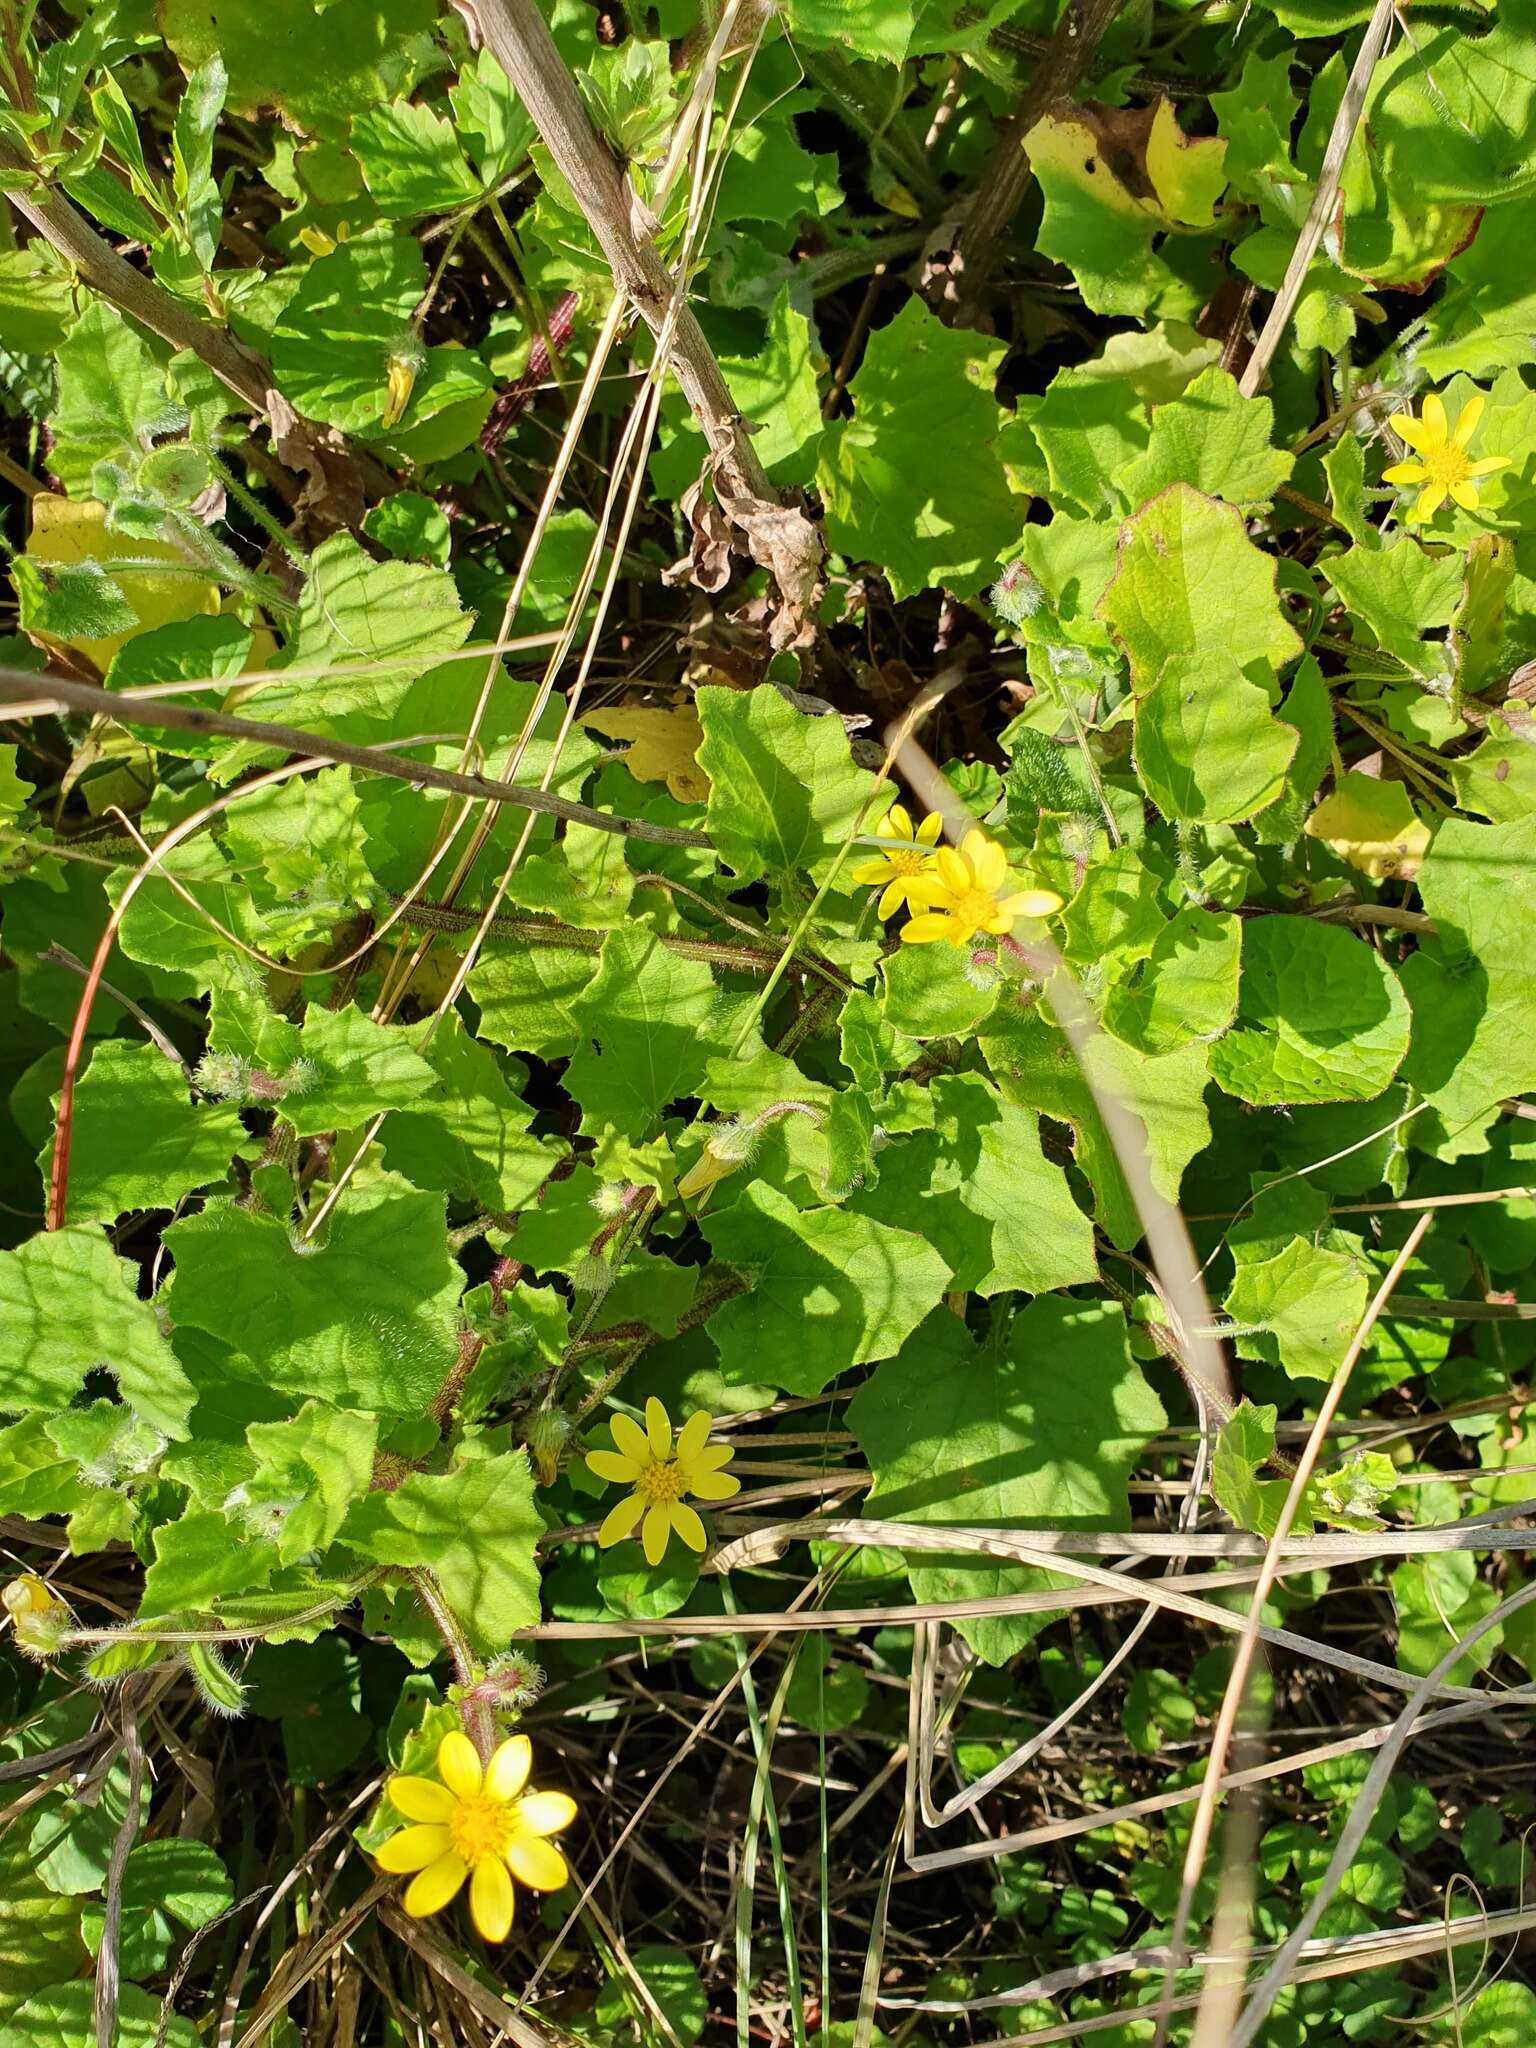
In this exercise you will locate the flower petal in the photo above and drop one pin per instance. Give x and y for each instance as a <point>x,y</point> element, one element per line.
<point>870,873</point>
<point>421,1799</point>
<point>687,1524</point>
<point>658,1429</point>
<point>1431,498</point>
<point>658,1527</point>
<point>1465,496</point>
<point>892,897</point>
<point>899,819</point>
<point>1466,424</point>
<point>609,1465</point>
<point>989,862</point>
<point>1413,431</point>
<point>931,925</point>
<point>1487,464</point>
<point>507,1772</point>
<point>714,1485</point>
<point>1432,413</point>
<point>693,1436</point>
<point>490,1899</point>
<point>713,1456</point>
<point>458,1763</point>
<point>928,832</point>
<point>537,1863</point>
<point>924,892</point>
<point>436,1885</point>
<point>413,1849</point>
<point>952,871</point>
<point>545,1813</point>
<point>1030,903</point>
<point>620,1521</point>
<point>630,1439</point>
<point>1405,473</point>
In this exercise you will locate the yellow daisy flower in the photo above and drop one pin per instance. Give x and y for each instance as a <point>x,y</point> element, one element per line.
<point>1445,470</point>
<point>962,897</point>
<point>898,868</point>
<point>660,1473</point>
<point>477,1823</point>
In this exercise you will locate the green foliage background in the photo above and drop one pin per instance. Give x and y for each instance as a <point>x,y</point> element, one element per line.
<point>376,1129</point>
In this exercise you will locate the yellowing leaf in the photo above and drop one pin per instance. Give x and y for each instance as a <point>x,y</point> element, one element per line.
<point>1372,825</point>
<point>1188,173</point>
<point>67,531</point>
<point>664,742</point>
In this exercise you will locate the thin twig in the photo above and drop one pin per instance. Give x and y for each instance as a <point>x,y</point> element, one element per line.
<point>128,709</point>
<point>108,1972</point>
<point>1329,173</point>
<point>61,224</point>
<point>1248,1640</point>
<point>779,537</point>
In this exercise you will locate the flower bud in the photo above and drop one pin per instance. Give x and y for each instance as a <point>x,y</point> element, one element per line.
<point>547,1435</point>
<point>405,363</point>
<point>510,1686</point>
<point>1017,594</point>
<point>40,1621</point>
<point>223,1075</point>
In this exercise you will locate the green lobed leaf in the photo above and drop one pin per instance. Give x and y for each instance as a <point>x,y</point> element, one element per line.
<point>166,1884</point>
<point>1189,582</point>
<point>1471,984</point>
<point>1034,1065</point>
<point>1184,988</point>
<point>201,1558</point>
<point>112,401</point>
<point>139,1140</point>
<point>1208,750</point>
<point>1321,1017</point>
<point>979,1189</point>
<point>784,792</point>
<point>1215,440</point>
<point>40,1941</point>
<point>410,160</point>
<point>474,1528</point>
<point>913,481</point>
<point>348,1067</point>
<point>469,1135</point>
<point>1039,1429</point>
<point>61,2016</point>
<point>826,1290</point>
<point>364,1319</point>
<point>319,61</point>
<point>1309,1298</point>
<point>386,622</point>
<point>309,1470</point>
<point>865,28</point>
<point>69,1305</point>
<point>333,342</point>
<point>644,1021</point>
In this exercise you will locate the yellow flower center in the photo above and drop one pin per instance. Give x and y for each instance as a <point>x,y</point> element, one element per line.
<point>973,907</point>
<point>482,1827</point>
<point>661,1481</point>
<point>906,860</point>
<point>1446,465</point>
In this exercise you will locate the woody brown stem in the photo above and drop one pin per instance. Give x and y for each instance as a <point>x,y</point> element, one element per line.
<point>963,278</point>
<point>59,223</point>
<point>516,35</point>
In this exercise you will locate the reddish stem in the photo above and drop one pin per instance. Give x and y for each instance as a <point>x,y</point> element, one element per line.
<point>516,399</point>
